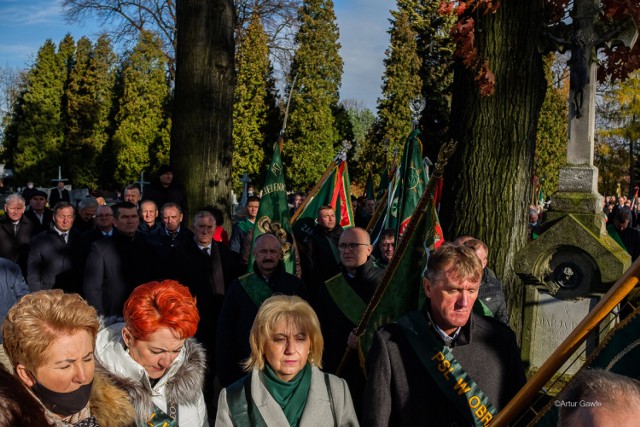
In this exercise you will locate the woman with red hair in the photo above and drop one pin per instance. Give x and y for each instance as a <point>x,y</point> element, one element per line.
<point>152,356</point>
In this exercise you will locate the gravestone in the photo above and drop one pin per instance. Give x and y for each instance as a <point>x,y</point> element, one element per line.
<point>573,262</point>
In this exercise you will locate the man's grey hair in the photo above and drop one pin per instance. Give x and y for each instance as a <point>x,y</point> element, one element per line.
<point>260,237</point>
<point>612,392</point>
<point>88,202</point>
<point>203,214</point>
<point>14,197</point>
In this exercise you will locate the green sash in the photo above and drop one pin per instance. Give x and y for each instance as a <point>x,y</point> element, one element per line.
<point>347,300</point>
<point>256,288</point>
<point>334,249</point>
<point>245,225</point>
<point>159,418</point>
<point>445,370</point>
<point>481,308</point>
<point>242,408</point>
<point>613,233</point>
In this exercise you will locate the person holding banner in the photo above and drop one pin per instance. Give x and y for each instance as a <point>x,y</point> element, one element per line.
<point>443,365</point>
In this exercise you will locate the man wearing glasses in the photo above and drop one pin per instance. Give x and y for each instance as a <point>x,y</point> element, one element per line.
<point>342,301</point>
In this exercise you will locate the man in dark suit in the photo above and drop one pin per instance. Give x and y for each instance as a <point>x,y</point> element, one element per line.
<point>54,255</point>
<point>38,213</point>
<point>116,265</point>
<point>15,232</point>
<point>59,194</point>
<point>168,234</point>
<point>103,228</point>
<point>205,268</point>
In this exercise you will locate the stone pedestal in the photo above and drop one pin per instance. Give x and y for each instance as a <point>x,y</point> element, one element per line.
<point>566,270</point>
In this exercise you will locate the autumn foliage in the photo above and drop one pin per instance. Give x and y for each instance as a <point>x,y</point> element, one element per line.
<point>620,60</point>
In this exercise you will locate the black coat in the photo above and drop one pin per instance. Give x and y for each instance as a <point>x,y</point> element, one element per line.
<point>236,318</point>
<point>54,263</point>
<point>114,267</point>
<point>47,219</point>
<point>162,244</point>
<point>207,277</point>
<point>16,247</point>
<point>400,391</point>
<point>336,327</point>
<point>55,196</point>
<point>162,195</point>
<point>317,259</point>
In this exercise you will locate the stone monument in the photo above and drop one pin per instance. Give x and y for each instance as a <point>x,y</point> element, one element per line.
<point>573,262</point>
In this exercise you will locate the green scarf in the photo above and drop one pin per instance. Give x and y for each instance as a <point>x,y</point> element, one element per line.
<point>292,395</point>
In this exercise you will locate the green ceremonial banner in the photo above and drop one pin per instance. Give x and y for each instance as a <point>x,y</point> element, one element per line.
<point>413,181</point>
<point>384,183</point>
<point>334,191</point>
<point>368,191</point>
<point>405,292</point>
<point>273,214</point>
<point>619,353</point>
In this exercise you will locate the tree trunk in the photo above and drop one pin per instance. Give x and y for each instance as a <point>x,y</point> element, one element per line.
<point>201,144</point>
<point>489,177</point>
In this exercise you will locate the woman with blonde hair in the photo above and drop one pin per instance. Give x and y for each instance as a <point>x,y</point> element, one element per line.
<point>152,356</point>
<point>285,386</point>
<point>49,337</point>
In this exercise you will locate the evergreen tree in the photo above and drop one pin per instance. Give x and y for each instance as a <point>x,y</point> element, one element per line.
<point>361,120</point>
<point>552,134</point>
<point>401,82</point>
<point>253,102</point>
<point>35,132</point>
<point>621,111</point>
<point>311,134</point>
<point>141,119</point>
<point>435,48</point>
<point>88,97</point>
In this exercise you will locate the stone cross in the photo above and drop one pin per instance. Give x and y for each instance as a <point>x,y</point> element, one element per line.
<point>582,38</point>
<point>142,182</point>
<point>59,178</point>
<point>245,189</point>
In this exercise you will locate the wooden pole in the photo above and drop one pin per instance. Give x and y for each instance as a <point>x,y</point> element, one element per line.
<point>608,302</point>
<point>379,209</point>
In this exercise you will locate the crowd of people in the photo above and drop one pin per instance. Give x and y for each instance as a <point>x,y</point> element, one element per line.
<point>121,315</point>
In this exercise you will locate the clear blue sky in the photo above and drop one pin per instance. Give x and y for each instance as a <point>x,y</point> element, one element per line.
<point>26,24</point>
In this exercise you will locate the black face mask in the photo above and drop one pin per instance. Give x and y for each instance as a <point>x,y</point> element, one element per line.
<point>64,404</point>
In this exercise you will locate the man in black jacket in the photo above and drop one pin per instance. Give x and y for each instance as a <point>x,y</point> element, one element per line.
<point>416,367</point>
<point>242,301</point>
<point>38,213</point>
<point>15,232</point>
<point>206,269</point>
<point>319,255</point>
<point>341,302</point>
<point>54,256</point>
<point>115,266</point>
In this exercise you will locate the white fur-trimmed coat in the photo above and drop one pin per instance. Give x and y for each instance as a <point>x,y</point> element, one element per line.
<point>182,383</point>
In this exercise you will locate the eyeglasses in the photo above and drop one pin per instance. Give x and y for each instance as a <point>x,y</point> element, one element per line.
<point>352,246</point>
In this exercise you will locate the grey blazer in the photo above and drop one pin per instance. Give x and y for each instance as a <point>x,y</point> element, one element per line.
<point>316,412</point>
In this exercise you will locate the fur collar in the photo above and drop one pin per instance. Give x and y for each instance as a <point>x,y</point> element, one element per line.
<point>110,404</point>
<point>183,388</point>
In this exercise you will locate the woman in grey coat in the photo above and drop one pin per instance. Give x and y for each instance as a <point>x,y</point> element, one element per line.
<point>285,386</point>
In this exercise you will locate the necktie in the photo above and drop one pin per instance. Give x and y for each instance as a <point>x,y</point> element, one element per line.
<point>15,228</point>
<point>64,237</point>
<point>206,251</point>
